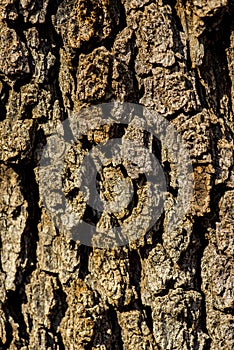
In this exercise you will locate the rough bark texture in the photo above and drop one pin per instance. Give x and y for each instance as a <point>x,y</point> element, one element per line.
<point>161,292</point>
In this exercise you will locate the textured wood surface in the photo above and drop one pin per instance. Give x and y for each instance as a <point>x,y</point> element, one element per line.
<point>163,291</point>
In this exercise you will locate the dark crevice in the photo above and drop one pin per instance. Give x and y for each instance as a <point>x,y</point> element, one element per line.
<point>107,320</point>
<point>55,43</point>
<point>199,230</point>
<point>1,269</point>
<point>135,275</point>
<point>50,273</point>
<point>149,317</point>
<point>84,253</point>
<point>182,111</point>
<point>135,270</point>
<point>27,256</point>
<point>215,63</point>
<point>194,254</point>
<point>177,27</point>
<point>174,17</point>
<point>167,173</point>
<point>8,328</point>
<point>4,96</point>
<point>57,314</point>
<point>200,90</point>
<point>142,7</point>
<point>15,300</point>
<point>155,234</point>
<point>91,216</point>
<point>216,134</point>
<point>134,50</point>
<point>117,343</point>
<point>136,183</point>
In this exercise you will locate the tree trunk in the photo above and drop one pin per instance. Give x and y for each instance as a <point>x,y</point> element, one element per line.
<point>163,289</point>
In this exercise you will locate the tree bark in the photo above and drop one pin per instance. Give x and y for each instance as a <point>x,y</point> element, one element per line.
<point>161,291</point>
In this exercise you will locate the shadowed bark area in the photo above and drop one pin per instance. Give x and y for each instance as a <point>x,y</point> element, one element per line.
<point>165,291</point>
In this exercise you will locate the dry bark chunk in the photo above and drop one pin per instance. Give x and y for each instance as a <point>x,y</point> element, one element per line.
<point>93,76</point>
<point>14,57</point>
<point>176,320</point>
